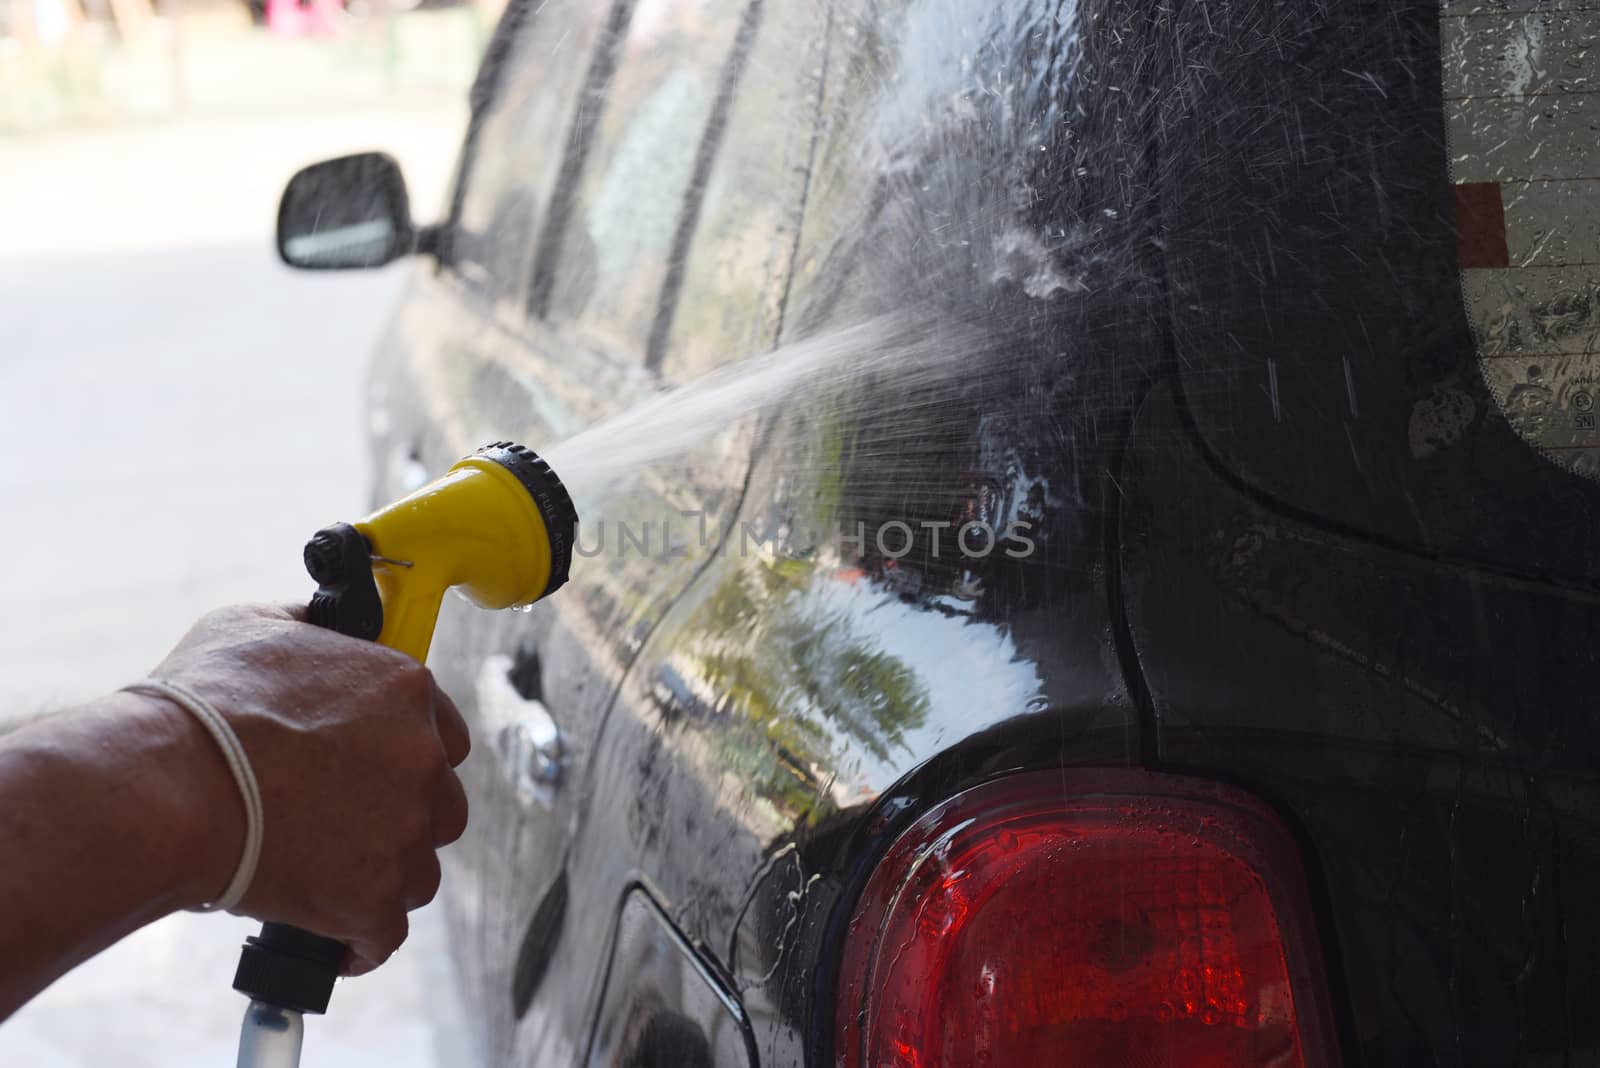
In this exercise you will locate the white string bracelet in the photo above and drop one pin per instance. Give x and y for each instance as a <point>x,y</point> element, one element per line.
<point>239,764</point>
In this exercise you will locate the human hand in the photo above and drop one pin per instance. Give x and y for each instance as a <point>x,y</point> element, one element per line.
<point>352,744</point>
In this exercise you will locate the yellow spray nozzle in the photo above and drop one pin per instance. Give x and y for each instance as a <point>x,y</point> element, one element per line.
<point>499,524</point>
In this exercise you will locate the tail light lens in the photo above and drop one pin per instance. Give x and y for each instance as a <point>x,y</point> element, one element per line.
<point>1104,918</point>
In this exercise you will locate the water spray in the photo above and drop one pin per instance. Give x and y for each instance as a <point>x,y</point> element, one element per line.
<point>500,526</point>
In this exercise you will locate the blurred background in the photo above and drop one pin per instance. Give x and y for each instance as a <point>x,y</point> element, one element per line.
<point>178,411</point>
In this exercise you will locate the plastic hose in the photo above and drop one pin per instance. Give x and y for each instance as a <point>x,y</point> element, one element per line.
<point>270,1037</point>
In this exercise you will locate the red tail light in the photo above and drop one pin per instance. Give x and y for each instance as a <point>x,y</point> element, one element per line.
<point>1086,918</point>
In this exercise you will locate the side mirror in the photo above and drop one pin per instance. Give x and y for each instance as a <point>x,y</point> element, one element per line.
<point>347,213</point>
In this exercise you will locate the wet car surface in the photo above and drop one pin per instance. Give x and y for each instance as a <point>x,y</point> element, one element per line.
<point>1240,355</point>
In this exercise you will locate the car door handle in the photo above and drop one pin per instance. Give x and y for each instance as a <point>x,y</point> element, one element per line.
<point>527,741</point>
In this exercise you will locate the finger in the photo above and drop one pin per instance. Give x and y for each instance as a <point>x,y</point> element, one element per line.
<point>451,727</point>
<point>423,884</point>
<point>369,951</point>
<point>449,811</point>
<point>355,964</point>
<point>296,611</point>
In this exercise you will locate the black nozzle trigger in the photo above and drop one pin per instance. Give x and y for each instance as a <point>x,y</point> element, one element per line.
<point>283,965</point>
<point>339,560</point>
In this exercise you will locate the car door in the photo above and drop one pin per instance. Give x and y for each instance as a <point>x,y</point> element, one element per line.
<point>723,305</point>
<point>587,141</point>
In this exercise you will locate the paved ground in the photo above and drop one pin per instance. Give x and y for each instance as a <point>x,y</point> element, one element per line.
<point>177,413</point>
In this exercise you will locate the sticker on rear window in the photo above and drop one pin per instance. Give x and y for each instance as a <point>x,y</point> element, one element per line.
<point>1520,81</point>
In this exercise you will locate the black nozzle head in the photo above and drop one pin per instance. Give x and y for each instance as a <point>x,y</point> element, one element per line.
<point>339,560</point>
<point>289,968</point>
<point>328,555</point>
<point>549,496</point>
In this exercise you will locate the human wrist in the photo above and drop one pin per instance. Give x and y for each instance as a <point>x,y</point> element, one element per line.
<point>192,793</point>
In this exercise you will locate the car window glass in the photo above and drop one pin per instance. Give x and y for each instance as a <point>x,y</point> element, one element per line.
<point>519,147</point>
<point>1523,158</point>
<point>730,298</point>
<point>606,266</point>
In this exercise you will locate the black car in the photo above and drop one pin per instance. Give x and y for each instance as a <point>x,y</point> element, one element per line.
<point>1145,611</point>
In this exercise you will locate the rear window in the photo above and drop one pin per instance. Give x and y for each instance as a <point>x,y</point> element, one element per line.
<point>1380,231</point>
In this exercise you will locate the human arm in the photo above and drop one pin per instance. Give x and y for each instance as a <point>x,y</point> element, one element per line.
<point>122,810</point>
